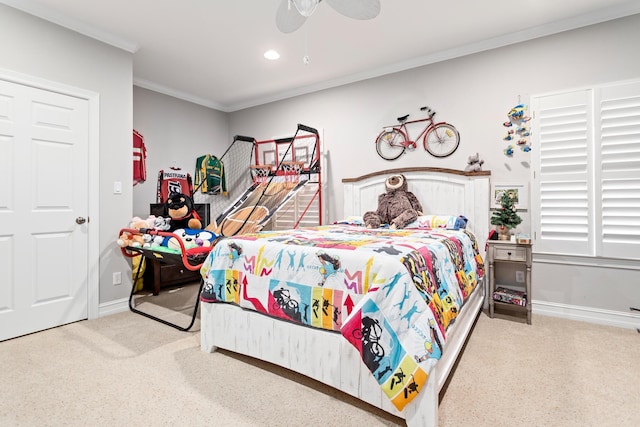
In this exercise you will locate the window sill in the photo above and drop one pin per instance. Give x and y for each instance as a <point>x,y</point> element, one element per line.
<point>586,261</point>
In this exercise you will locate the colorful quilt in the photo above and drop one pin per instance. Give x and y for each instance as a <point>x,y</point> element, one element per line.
<point>391,293</point>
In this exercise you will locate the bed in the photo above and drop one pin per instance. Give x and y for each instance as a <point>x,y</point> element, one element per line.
<point>363,337</point>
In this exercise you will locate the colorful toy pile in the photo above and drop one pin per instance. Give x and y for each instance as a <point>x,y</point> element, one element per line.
<point>518,131</point>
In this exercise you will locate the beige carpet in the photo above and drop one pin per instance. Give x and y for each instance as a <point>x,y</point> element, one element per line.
<point>125,370</point>
<point>174,304</point>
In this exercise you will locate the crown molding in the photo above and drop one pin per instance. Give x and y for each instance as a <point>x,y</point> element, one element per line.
<point>165,90</point>
<point>51,15</point>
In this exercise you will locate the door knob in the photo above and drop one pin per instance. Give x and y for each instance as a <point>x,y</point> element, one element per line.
<point>80,220</point>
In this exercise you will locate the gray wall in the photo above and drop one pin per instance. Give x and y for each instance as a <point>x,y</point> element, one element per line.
<point>474,93</point>
<point>176,133</point>
<point>38,48</point>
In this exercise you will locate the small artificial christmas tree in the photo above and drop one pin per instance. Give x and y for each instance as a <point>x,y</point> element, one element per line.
<point>506,217</point>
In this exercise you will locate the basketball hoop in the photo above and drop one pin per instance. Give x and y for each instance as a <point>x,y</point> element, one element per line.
<point>260,173</point>
<point>291,171</point>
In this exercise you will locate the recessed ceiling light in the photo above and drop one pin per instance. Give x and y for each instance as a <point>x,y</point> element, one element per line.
<point>272,55</point>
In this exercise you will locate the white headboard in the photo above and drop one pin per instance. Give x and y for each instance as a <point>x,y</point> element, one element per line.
<point>440,191</point>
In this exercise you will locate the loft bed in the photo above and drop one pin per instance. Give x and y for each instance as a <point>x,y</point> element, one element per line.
<point>350,357</point>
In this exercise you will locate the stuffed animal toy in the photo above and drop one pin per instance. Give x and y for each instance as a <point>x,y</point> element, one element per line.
<point>162,224</point>
<point>135,239</point>
<point>474,163</point>
<point>138,223</point>
<point>397,207</point>
<point>191,238</point>
<point>130,239</point>
<point>159,224</point>
<point>179,207</point>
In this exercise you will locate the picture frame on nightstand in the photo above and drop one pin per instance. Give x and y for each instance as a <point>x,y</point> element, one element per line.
<point>520,190</point>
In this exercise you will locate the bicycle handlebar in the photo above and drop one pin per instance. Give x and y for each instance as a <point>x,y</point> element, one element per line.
<point>429,111</point>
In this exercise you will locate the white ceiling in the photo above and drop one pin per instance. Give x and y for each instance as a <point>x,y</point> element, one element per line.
<point>211,51</point>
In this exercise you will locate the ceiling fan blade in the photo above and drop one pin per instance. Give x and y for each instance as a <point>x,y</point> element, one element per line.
<point>288,19</point>
<point>356,9</point>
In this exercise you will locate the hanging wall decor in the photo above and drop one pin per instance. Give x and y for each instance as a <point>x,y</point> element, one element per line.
<point>519,130</point>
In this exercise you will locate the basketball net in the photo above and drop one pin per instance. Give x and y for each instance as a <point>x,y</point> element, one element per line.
<point>291,171</point>
<point>260,173</point>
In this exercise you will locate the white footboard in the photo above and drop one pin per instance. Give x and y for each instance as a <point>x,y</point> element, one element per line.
<point>328,357</point>
<point>322,355</point>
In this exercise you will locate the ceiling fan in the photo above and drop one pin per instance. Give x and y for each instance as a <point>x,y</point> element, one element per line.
<point>291,14</point>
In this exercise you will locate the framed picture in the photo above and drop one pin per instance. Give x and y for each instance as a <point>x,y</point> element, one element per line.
<point>520,192</point>
<point>269,157</point>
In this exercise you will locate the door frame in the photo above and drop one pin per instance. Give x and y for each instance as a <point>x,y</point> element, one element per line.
<point>93,230</point>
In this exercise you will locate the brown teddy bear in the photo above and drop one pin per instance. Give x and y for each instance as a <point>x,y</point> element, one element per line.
<point>397,207</point>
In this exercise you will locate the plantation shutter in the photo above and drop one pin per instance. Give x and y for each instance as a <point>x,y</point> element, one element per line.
<point>586,181</point>
<point>618,134</point>
<point>562,185</point>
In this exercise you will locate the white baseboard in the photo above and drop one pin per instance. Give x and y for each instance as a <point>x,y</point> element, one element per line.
<point>572,312</point>
<point>113,307</point>
<point>587,314</point>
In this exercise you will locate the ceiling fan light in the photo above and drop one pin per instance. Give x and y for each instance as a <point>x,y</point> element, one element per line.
<point>305,7</point>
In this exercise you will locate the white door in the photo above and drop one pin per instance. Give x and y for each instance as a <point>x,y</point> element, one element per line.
<point>43,202</point>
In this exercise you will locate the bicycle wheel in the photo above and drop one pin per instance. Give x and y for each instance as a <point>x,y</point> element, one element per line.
<point>377,350</point>
<point>389,144</point>
<point>292,305</point>
<point>442,140</point>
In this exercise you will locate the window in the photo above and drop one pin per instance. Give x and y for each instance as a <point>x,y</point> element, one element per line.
<point>586,163</point>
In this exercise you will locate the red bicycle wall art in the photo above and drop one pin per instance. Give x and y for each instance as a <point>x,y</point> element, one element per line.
<point>440,139</point>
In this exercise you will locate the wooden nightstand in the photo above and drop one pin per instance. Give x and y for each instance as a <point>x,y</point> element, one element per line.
<point>501,256</point>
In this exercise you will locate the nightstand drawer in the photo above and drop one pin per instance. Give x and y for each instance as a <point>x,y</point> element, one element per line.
<point>511,253</point>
